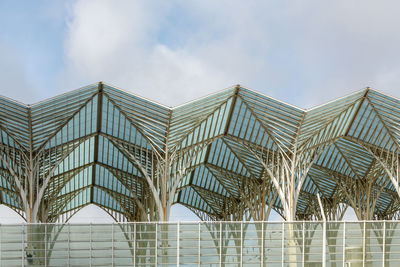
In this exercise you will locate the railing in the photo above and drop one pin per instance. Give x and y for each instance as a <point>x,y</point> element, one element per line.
<point>366,243</point>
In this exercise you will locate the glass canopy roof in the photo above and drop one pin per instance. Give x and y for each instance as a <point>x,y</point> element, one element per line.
<point>232,155</point>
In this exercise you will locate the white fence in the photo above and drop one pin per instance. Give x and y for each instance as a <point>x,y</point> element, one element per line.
<point>370,243</point>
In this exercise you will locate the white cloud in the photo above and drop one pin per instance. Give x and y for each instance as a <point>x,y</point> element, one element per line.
<point>304,52</point>
<point>120,43</point>
<point>13,78</point>
<point>344,46</point>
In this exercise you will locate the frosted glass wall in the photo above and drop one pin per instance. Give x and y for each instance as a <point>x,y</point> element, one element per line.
<point>374,243</point>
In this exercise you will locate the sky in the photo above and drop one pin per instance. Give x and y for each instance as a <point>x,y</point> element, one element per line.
<point>301,52</point>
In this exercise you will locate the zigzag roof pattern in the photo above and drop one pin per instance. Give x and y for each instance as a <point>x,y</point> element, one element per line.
<point>89,146</point>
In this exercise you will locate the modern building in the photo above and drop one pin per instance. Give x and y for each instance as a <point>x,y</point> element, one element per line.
<point>233,155</point>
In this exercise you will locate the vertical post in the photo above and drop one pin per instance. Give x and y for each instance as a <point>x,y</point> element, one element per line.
<point>344,244</point>
<point>22,245</point>
<point>241,243</point>
<point>177,244</point>
<point>364,245</point>
<point>199,246</point>
<point>90,244</point>
<point>112,244</point>
<point>134,244</point>
<point>384,244</point>
<point>69,245</point>
<point>283,244</point>
<point>323,232</point>
<point>96,137</point>
<point>324,245</point>
<point>304,244</point>
<point>1,240</point>
<point>262,244</point>
<point>45,245</point>
<point>220,244</point>
<point>156,246</point>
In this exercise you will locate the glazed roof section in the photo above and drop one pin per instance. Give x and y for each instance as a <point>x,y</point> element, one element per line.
<point>228,120</point>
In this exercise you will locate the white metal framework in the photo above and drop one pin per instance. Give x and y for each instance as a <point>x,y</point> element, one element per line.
<point>233,155</point>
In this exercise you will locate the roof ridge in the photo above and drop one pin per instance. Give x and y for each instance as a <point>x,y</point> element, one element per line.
<point>338,98</point>
<point>199,98</point>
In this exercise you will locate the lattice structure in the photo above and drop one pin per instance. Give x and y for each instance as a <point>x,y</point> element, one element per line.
<point>233,155</point>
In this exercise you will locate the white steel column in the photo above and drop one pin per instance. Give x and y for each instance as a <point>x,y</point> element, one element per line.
<point>323,233</point>
<point>324,245</point>
<point>45,245</point>
<point>241,244</point>
<point>112,244</point>
<point>364,246</point>
<point>304,243</point>
<point>199,246</point>
<point>90,244</point>
<point>262,244</point>
<point>344,244</point>
<point>156,246</point>
<point>69,243</point>
<point>23,247</point>
<point>1,240</point>
<point>384,244</point>
<point>283,244</point>
<point>134,244</point>
<point>220,244</point>
<point>177,244</point>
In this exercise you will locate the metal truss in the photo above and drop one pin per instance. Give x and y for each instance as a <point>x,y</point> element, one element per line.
<point>234,155</point>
